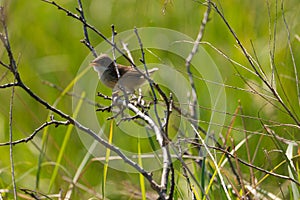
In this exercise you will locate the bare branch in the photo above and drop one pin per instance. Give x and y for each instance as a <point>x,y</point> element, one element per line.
<point>266,97</point>
<point>6,43</point>
<point>250,61</point>
<point>143,61</point>
<point>86,40</point>
<point>12,164</point>
<point>90,102</point>
<point>110,43</point>
<point>214,161</point>
<point>75,16</point>
<point>193,105</point>
<point>167,162</point>
<point>125,47</point>
<point>70,120</point>
<point>113,34</point>
<point>27,139</point>
<point>13,68</point>
<point>271,173</point>
<point>7,85</point>
<point>2,63</point>
<point>147,175</point>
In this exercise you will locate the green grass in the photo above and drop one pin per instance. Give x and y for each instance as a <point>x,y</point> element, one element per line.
<point>257,128</point>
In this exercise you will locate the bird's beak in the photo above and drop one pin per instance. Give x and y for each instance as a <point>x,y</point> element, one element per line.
<point>97,67</point>
<point>93,64</point>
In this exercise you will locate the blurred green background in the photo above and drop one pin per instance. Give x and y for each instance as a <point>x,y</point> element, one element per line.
<point>46,44</point>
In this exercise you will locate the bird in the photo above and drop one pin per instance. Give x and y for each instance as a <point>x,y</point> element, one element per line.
<point>129,78</point>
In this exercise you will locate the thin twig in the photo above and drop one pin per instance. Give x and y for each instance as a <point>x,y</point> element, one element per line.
<point>272,57</point>
<point>143,61</point>
<point>12,65</point>
<point>271,173</point>
<point>7,85</point>
<point>172,181</point>
<point>110,43</point>
<point>2,63</point>
<point>87,130</point>
<point>180,159</point>
<point>193,106</point>
<point>239,177</point>
<point>125,47</point>
<point>252,177</point>
<point>90,102</point>
<point>113,34</point>
<point>32,135</point>
<point>13,68</point>
<point>86,40</point>
<point>12,164</point>
<point>248,57</point>
<point>193,109</point>
<point>279,146</point>
<point>77,124</point>
<point>184,173</point>
<point>291,52</point>
<point>104,96</point>
<point>38,195</point>
<point>214,161</point>
<point>253,90</point>
<point>167,162</point>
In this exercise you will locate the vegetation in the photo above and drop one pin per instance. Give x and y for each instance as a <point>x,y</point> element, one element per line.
<point>220,119</point>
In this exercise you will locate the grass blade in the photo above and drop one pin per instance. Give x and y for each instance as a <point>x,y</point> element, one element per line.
<point>107,155</point>
<point>64,144</point>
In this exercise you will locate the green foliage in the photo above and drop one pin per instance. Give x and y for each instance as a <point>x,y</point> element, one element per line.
<point>47,46</point>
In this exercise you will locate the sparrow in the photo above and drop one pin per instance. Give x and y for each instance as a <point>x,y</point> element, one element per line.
<point>129,78</point>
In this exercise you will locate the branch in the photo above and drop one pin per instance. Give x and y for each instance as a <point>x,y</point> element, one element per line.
<point>214,161</point>
<point>147,175</point>
<point>249,164</point>
<point>13,68</point>
<point>86,40</point>
<point>88,101</point>
<point>11,155</point>
<point>160,135</point>
<point>110,43</point>
<point>193,106</point>
<point>70,14</point>
<point>70,120</point>
<point>249,59</point>
<point>4,38</point>
<point>7,85</point>
<point>2,63</point>
<point>27,139</point>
